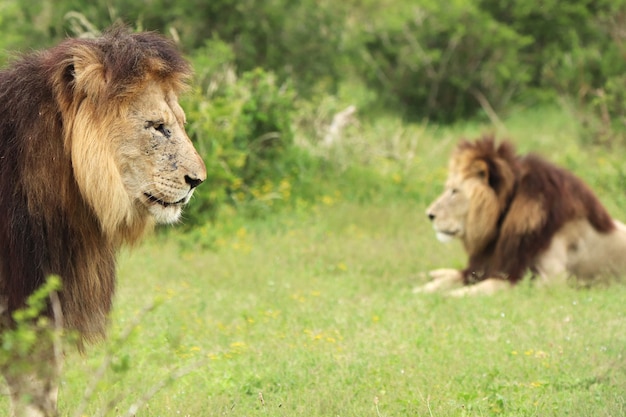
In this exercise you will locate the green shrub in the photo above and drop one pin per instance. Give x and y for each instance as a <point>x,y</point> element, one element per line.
<point>242,128</point>
<point>302,40</point>
<point>429,59</point>
<point>449,60</point>
<point>32,333</point>
<point>442,59</point>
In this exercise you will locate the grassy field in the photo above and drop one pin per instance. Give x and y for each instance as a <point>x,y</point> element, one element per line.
<point>311,313</point>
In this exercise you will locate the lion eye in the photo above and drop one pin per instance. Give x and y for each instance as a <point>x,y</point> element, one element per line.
<point>160,127</point>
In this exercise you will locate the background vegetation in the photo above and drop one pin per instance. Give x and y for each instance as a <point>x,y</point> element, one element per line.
<point>272,74</point>
<point>325,127</point>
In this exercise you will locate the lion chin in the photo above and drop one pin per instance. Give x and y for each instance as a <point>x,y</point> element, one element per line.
<point>165,212</point>
<point>520,214</point>
<point>445,237</point>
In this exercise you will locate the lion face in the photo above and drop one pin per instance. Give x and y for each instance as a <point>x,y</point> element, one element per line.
<point>469,207</point>
<point>133,162</point>
<point>449,211</point>
<point>159,166</point>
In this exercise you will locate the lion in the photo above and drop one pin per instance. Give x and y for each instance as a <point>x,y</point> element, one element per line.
<point>518,214</point>
<point>93,154</point>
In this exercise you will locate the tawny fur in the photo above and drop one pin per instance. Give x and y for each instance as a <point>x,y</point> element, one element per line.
<point>92,153</point>
<point>515,214</point>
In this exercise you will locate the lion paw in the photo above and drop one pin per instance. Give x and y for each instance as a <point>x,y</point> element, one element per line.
<point>487,287</point>
<point>442,279</point>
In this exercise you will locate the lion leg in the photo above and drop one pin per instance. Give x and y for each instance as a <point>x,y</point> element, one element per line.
<point>442,280</point>
<point>487,287</point>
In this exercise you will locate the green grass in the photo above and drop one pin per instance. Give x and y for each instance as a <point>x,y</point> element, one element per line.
<point>310,312</point>
<point>317,315</point>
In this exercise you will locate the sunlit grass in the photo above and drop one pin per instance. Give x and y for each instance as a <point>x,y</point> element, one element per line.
<point>309,312</point>
<point>315,317</point>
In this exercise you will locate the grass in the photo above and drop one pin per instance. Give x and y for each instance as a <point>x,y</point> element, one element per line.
<point>310,312</point>
<point>317,316</point>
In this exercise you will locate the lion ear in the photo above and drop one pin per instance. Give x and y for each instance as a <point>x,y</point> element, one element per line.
<point>480,170</point>
<point>89,71</point>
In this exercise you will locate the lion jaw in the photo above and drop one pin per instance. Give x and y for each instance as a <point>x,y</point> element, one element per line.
<point>165,212</point>
<point>445,237</point>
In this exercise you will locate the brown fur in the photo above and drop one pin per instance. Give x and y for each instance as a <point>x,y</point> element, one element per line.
<point>517,206</point>
<point>92,153</point>
<point>47,225</point>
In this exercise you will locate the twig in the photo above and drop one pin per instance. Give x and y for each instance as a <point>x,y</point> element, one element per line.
<point>173,376</point>
<point>80,25</point>
<point>427,400</point>
<point>57,346</point>
<point>376,406</point>
<point>430,411</point>
<point>100,372</point>
<point>491,114</point>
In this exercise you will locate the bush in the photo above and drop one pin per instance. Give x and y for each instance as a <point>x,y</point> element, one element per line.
<point>28,341</point>
<point>441,60</point>
<point>430,59</point>
<point>449,60</point>
<point>242,128</point>
<point>299,40</point>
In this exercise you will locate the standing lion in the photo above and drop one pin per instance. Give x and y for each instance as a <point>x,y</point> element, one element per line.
<point>516,214</point>
<point>93,153</point>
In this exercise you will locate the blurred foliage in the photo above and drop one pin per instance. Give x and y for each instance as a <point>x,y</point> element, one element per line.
<point>241,126</point>
<point>31,333</point>
<point>441,59</point>
<point>267,71</point>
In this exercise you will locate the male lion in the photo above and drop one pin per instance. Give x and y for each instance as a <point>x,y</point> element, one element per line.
<point>93,153</point>
<point>515,214</point>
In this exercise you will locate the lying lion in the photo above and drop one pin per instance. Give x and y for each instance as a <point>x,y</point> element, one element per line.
<point>516,214</point>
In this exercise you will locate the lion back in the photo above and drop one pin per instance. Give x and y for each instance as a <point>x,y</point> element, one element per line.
<point>546,197</point>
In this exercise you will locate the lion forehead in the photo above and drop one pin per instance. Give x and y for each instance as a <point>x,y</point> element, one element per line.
<point>157,102</point>
<point>171,99</point>
<point>455,179</point>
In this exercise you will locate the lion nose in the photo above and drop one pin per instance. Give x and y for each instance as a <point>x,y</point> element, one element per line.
<point>431,216</point>
<point>193,181</point>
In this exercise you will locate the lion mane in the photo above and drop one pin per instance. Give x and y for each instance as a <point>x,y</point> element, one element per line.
<point>515,214</point>
<point>93,153</point>
<point>64,209</point>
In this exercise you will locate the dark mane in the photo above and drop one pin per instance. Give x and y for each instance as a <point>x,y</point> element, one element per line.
<point>128,58</point>
<point>46,226</point>
<point>559,196</point>
<point>490,152</point>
